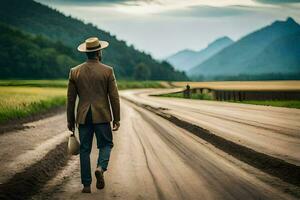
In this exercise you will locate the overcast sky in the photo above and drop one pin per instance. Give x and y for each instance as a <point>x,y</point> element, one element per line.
<point>163,27</point>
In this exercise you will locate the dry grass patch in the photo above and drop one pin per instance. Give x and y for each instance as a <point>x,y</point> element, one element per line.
<point>243,85</point>
<point>18,102</point>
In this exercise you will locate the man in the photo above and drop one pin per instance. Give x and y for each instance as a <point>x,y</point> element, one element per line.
<point>96,87</point>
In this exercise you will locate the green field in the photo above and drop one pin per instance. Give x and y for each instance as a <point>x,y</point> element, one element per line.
<point>193,96</point>
<point>63,83</point>
<point>22,98</point>
<point>122,85</point>
<point>35,83</point>
<point>243,85</point>
<point>276,103</point>
<point>18,102</point>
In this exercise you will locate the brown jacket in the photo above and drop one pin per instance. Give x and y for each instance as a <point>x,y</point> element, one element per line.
<point>96,87</point>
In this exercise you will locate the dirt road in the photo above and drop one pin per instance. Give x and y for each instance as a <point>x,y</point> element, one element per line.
<point>270,130</point>
<point>22,148</point>
<point>153,159</point>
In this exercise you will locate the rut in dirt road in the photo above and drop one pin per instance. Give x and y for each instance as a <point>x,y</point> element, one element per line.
<point>270,130</point>
<point>153,159</point>
<point>32,156</point>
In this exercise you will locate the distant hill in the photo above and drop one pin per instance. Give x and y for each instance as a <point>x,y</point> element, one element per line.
<point>271,50</point>
<point>27,56</point>
<point>186,59</point>
<point>180,60</point>
<point>38,19</point>
<point>281,56</point>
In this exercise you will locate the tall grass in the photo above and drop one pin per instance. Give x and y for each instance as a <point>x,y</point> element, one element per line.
<point>276,103</point>
<point>22,98</point>
<point>35,83</point>
<point>192,96</point>
<point>122,84</point>
<point>19,102</point>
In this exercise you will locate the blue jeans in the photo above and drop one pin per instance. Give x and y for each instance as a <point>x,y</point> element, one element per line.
<point>104,143</point>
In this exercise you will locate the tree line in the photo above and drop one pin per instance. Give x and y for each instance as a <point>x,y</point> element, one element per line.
<point>63,34</point>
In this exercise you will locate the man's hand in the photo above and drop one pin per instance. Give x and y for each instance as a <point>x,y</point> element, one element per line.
<point>71,127</point>
<point>116,125</point>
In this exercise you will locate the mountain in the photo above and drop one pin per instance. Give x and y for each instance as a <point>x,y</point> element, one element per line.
<point>187,59</point>
<point>35,18</point>
<point>273,49</point>
<point>284,54</point>
<point>27,56</point>
<point>180,60</point>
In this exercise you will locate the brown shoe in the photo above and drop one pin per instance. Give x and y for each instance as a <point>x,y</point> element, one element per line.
<point>100,178</point>
<point>86,189</point>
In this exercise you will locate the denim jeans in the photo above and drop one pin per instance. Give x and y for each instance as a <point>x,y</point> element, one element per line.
<point>104,143</point>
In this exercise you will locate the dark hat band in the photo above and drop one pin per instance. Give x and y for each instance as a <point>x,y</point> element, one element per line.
<point>92,48</point>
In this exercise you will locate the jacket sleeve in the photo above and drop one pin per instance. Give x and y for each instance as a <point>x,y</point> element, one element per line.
<point>114,96</point>
<point>71,95</point>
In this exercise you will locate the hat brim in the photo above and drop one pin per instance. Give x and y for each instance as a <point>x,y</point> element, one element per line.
<point>82,47</point>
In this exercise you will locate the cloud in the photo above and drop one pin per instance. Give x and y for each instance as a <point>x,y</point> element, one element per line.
<point>210,11</point>
<point>84,2</point>
<point>278,1</point>
<point>187,8</point>
<point>95,2</point>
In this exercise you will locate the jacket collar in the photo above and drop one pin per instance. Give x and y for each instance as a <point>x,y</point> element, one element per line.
<point>92,60</point>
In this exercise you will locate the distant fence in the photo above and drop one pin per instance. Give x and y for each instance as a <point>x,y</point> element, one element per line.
<point>225,95</point>
<point>241,95</point>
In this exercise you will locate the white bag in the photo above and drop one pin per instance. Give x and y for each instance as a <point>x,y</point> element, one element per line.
<point>73,145</point>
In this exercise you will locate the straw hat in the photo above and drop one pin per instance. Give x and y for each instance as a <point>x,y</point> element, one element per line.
<point>92,44</point>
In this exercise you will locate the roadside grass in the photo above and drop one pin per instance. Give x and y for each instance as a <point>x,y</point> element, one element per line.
<point>122,84</point>
<point>35,83</point>
<point>19,102</point>
<point>23,98</point>
<point>243,85</point>
<point>193,96</point>
<point>275,103</point>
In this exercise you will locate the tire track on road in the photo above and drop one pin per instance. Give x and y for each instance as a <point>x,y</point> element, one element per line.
<point>158,190</point>
<point>287,172</point>
<point>237,120</point>
<point>209,171</point>
<point>26,183</point>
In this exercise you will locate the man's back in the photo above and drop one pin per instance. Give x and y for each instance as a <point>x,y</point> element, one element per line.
<point>95,85</point>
